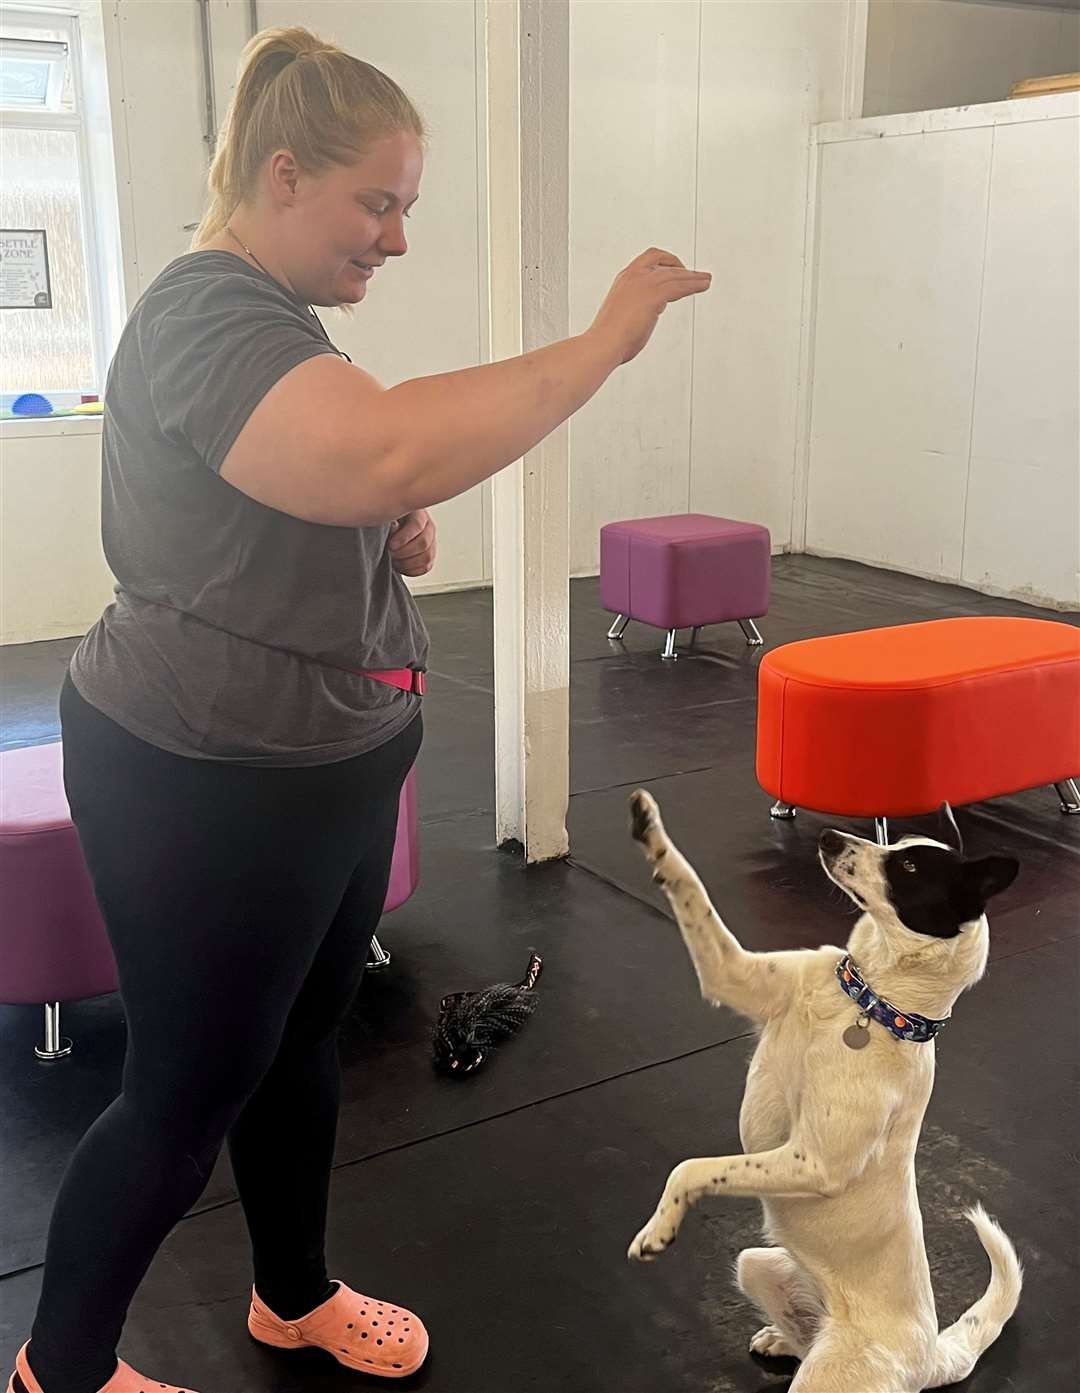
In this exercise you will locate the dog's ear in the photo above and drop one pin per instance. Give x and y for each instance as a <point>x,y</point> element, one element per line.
<point>987,877</point>
<point>950,833</point>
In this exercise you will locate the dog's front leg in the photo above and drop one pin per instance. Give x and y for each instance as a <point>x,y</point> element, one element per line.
<point>757,984</point>
<point>789,1171</point>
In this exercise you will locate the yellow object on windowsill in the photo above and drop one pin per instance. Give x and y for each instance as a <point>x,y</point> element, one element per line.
<point>86,408</point>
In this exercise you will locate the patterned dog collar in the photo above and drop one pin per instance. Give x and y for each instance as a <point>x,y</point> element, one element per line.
<point>903,1024</point>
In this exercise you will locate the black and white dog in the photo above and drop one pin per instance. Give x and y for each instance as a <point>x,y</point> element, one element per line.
<point>832,1111</point>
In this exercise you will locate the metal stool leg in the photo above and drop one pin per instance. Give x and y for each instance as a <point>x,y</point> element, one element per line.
<point>619,627</point>
<point>55,1047</point>
<point>693,635</point>
<point>753,634</point>
<point>378,957</point>
<point>881,830</point>
<point>782,810</point>
<point>1069,795</point>
<point>669,655</point>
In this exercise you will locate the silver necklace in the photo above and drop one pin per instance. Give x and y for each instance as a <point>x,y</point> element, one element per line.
<point>245,248</point>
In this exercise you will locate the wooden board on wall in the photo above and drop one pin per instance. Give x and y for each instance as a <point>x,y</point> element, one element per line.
<point>1043,86</point>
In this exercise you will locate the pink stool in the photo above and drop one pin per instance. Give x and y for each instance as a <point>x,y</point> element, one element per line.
<point>684,572</point>
<point>53,945</point>
<point>405,867</point>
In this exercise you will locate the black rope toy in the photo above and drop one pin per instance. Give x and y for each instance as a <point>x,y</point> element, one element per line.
<point>471,1023</point>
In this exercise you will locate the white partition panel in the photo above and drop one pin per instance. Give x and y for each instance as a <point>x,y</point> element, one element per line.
<point>1022,529</point>
<point>944,436</point>
<point>901,228</point>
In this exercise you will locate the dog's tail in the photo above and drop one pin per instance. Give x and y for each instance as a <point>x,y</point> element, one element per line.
<point>959,1347</point>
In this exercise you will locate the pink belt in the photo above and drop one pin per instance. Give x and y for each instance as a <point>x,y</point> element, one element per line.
<point>409,679</point>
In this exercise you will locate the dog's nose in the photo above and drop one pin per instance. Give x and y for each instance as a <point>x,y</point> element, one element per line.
<point>831,842</point>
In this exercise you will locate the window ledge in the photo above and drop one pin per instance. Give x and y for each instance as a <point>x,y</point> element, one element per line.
<point>48,427</point>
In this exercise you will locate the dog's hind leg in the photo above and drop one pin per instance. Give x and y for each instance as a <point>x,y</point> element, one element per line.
<point>845,1360</point>
<point>786,1296</point>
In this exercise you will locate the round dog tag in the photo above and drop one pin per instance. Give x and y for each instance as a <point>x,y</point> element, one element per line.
<point>857,1035</point>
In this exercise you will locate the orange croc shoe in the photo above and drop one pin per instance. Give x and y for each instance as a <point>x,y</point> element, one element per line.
<point>125,1380</point>
<point>360,1332</point>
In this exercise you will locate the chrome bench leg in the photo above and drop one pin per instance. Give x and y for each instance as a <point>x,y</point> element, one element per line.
<point>378,957</point>
<point>55,1047</point>
<point>753,634</point>
<point>1069,795</point>
<point>783,810</point>
<point>619,627</point>
<point>669,655</point>
<point>881,830</point>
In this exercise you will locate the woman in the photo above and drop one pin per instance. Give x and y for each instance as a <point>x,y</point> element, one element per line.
<point>238,724</point>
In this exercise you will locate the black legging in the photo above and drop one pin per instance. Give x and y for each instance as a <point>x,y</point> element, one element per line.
<point>240,903</point>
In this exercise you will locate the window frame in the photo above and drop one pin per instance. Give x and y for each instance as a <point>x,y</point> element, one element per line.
<point>30,17</point>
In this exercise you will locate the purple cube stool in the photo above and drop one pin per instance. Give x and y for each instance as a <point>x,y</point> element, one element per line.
<point>684,572</point>
<point>53,945</point>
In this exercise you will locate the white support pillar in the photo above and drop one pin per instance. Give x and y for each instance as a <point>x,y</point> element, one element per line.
<point>528,80</point>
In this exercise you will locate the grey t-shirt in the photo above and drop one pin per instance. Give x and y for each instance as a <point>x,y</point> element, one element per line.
<point>232,622</point>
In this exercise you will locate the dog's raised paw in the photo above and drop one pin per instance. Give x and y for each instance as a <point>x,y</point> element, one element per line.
<point>643,815</point>
<point>771,1340</point>
<point>645,822</point>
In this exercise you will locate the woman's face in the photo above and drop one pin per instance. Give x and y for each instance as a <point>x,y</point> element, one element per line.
<point>342,224</point>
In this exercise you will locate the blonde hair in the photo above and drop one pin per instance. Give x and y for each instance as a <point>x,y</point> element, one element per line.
<point>297,93</point>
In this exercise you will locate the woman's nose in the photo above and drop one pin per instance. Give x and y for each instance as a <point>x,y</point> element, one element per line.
<point>393,242</point>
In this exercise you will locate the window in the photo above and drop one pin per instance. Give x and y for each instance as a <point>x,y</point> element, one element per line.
<point>58,352</point>
<point>35,74</point>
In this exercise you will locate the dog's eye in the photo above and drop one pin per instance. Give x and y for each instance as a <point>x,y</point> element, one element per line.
<point>909,866</point>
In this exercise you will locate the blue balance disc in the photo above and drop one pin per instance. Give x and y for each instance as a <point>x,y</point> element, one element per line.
<point>31,404</point>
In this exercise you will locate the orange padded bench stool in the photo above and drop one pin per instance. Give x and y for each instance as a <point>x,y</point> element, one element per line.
<point>892,722</point>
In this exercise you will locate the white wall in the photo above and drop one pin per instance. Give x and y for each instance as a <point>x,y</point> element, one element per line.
<point>926,54</point>
<point>53,577</point>
<point>689,129</point>
<point>945,437</point>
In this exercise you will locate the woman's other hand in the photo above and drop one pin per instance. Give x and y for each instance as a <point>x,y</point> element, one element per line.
<point>413,544</point>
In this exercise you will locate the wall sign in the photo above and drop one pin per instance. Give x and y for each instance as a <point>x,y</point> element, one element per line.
<point>24,269</point>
